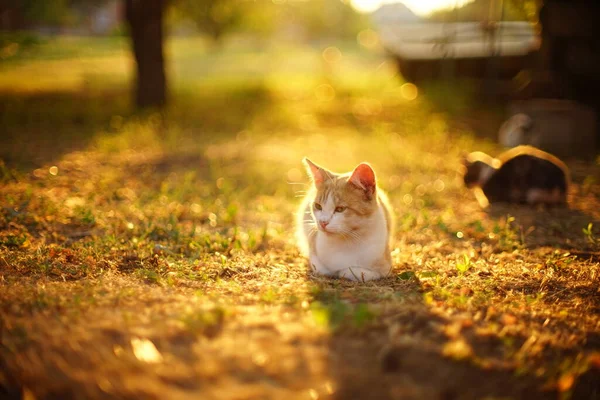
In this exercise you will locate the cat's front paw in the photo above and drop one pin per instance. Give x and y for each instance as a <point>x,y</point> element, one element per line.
<point>359,274</point>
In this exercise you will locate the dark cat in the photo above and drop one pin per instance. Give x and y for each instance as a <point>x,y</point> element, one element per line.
<point>523,174</point>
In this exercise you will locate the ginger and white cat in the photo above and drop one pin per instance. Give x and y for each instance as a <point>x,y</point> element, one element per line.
<point>344,224</point>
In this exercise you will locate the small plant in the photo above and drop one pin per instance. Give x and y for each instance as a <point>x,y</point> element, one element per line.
<point>509,237</point>
<point>329,315</point>
<point>150,276</point>
<point>85,216</point>
<point>464,265</point>
<point>18,240</point>
<point>362,315</point>
<point>406,275</point>
<point>207,322</point>
<point>589,234</point>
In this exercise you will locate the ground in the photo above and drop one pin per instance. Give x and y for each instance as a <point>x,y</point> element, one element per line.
<point>152,255</point>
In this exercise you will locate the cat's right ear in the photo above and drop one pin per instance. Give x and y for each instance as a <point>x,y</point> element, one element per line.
<point>464,159</point>
<point>317,173</point>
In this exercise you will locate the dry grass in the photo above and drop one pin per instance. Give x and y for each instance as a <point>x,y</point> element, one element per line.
<point>151,256</point>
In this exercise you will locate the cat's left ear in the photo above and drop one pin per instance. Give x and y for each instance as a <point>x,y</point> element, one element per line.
<point>363,177</point>
<point>318,174</point>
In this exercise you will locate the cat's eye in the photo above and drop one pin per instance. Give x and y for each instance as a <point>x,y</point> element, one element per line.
<point>340,209</point>
<point>318,206</point>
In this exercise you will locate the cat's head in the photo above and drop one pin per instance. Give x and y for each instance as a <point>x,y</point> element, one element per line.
<point>343,202</point>
<point>472,172</point>
<point>477,166</point>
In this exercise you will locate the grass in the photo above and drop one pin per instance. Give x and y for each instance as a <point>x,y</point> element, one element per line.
<point>160,246</point>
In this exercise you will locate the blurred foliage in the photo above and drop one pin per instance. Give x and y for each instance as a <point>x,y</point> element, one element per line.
<point>307,20</point>
<point>212,17</point>
<point>324,18</point>
<point>16,43</point>
<point>54,13</point>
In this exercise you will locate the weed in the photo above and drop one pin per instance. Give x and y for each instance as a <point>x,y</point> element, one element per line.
<point>462,266</point>
<point>207,322</point>
<point>509,236</point>
<point>406,275</point>
<point>150,276</point>
<point>589,233</point>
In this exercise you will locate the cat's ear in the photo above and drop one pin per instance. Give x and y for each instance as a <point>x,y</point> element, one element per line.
<point>317,173</point>
<point>464,159</point>
<point>363,177</point>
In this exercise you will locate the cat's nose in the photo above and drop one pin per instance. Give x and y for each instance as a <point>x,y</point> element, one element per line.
<point>324,224</point>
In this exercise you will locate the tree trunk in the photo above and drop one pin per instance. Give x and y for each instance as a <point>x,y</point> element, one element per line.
<point>145,19</point>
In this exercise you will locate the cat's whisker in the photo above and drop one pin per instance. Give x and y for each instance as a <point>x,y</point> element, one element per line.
<point>353,236</point>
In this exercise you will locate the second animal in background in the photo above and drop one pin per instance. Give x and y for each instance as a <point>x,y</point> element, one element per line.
<point>523,175</point>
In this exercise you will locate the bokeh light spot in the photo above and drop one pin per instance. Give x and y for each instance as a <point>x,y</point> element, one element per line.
<point>325,92</point>
<point>459,235</point>
<point>212,218</point>
<point>439,185</point>
<point>332,55</point>
<point>53,170</point>
<point>366,108</point>
<point>387,70</point>
<point>368,38</point>
<point>407,199</point>
<point>196,208</point>
<point>394,181</point>
<point>409,91</point>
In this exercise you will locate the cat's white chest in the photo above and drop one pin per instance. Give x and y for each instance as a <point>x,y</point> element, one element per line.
<point>335,254</point>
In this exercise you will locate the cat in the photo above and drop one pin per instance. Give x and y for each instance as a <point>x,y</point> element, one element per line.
<point>523,174</point>
<point>345,223</point>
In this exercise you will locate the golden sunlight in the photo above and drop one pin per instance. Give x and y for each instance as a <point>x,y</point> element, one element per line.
<point>409,91</point>
<point>419,7</point>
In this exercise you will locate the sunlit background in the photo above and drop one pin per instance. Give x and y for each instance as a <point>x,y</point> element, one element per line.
<point>147,224</point>
<point>419,7</point>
